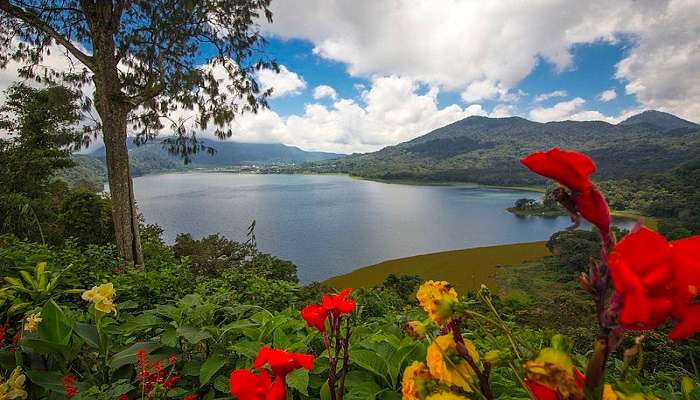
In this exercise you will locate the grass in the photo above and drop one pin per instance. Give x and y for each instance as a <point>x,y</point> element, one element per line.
<point>465,269</point>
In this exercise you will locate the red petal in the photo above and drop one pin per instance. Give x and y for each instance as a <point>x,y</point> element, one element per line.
<point>278,391</point>
<point>643,251</point>
<point>569,168</point>
<point>688,324</point>
<point>315,316</point>
<point>541,392</point>
<point>592,206</point>
<point>245,385</point>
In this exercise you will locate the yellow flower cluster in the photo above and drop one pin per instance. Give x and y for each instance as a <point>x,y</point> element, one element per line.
<point>438,299</point>
<point>447,367</point>
<point>415,377</point>
<point>103,297</point>
<point>32,322</point>
<point>13,387</point>
<point>553,368</point>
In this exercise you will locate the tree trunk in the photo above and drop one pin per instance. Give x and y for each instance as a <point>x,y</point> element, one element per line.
<point>113,111</point>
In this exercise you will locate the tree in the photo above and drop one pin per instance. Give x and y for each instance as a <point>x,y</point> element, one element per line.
<point>40,126</point>
<point>147,59</point>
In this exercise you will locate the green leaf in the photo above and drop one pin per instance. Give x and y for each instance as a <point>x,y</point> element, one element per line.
<point>88,333</point>
<point>370,361</point>
<point>43,347</point>
<point>192,334</point>
<point>221,383</point>
<point>49,380</point>
<point>140,323</point>
<point>396,361</point>
<point>210,367</point>
<point>325,392</point>
<point>192,368</point>
<point>299,380</point>
<point>128,356</point>
<point>54,327</point>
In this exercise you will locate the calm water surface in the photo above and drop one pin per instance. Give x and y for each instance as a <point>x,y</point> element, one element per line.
<point>332,224</point>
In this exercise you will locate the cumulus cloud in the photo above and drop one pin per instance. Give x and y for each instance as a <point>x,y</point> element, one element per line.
<point>391,110</point>
<point>546,96</point>
<point>487,90</point>
<point>573,110</point>
<point>283,83</point>
<point>456,44</point>
<point>607,95</point>
<point>323,91</point>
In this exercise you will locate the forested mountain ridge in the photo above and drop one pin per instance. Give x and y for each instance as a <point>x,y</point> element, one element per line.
<point>486,150</point>
<point>152,157</point>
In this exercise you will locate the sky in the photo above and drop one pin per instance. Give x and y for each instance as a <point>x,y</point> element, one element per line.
<point>358,75</point>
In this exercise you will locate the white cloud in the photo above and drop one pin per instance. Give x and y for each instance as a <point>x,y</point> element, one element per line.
<point>607,95</point>
<point>454,44</point>
<point>283,83</point>
<point>392,110</point>
<point>487,90</point>
<point>322,91</point>
<point>558,112</point>
<point>546,96</point>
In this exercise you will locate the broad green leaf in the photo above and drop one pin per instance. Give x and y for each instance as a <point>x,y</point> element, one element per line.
<point>221,383</point>
<point>210,367</point>
<point>246,349</point>
<point>192,334</point>
<point>128,356</point>
<point>299,380</point>
<point>49,380</point>
<point>88,333</point>
<point>44,347</point>
<point>325,392</point>
<point>139,323</point>
<point>54,327</point>
<point>370,361</point>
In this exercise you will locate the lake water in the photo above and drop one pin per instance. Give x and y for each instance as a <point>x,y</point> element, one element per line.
<point>331,224</point>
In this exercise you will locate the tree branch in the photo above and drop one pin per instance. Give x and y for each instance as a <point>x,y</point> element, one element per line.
<point>35,21</point>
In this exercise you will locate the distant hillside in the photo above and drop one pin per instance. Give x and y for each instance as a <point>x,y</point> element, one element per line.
<point>486,150</point>
<point>151,158</point>
<point>664,121</point>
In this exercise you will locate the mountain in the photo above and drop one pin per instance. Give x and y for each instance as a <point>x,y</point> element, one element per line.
<point>90,169</point>
<point>152,157</point>
<point>661,120</point>
<point>487,150</point>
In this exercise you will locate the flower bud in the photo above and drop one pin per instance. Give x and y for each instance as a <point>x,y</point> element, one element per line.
<point>415,329</point>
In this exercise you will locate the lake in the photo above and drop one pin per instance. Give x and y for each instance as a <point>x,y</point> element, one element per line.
<point>332,224</point>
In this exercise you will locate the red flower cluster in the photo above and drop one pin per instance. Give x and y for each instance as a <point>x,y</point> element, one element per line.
<point>152,374</point>
<point>657,280</point>
<point>193,396</point>
<point>544,392</point>
<point>572,170</point>
<point>246,385</point>
<point>68,382</point>
<point>336,305</point>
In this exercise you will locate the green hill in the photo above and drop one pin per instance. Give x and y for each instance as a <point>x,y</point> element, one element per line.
<point>486,150</point>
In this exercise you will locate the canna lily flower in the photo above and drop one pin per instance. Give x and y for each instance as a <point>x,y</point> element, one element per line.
<point>609,393</point>
<point>102,296</point>
<point>32,322</point>
<point>446,366</point>
<point>657,280</point>
<point>552,374</point>
<point>438,299</point>
<point>245,385</point>
<point>416,378</point>
<point>315,316</point>
<point>281,362</point>
<point>13,387</point>
<point>572,170</point>
<point>337,304</point>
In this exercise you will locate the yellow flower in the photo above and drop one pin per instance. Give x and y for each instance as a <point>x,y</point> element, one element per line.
<point>446,365</point>
<point>554,369</point>
<point>438,299</point>
<point>32,322</point>
<point>415,376</point>
<point>13,387</point>
<point>445,396</point>
<point>609,393</point>
<point>102,296</point>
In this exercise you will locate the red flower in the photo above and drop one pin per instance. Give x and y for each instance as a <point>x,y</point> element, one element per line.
<point>172,360</point>
<point>338,304</point>
<point>573,169</point>
<point>69,387</point>
<point>315,316</point>
<point>282,362</point>
<point>657,280</point>
<point>541,392</point>
<point>170,382</point>
<point>193,396</point>
<point>123,396</point>
<point>245,385</point>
